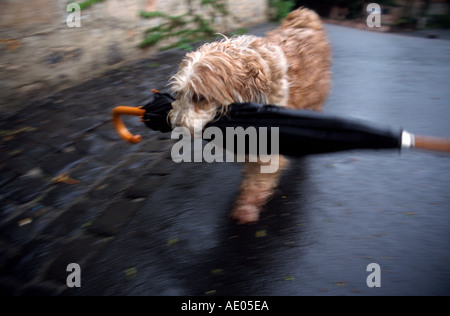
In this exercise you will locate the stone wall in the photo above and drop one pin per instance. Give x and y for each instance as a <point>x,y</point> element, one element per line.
<point>40,54</point>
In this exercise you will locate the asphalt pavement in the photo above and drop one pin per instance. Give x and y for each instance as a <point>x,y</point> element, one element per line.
<point>137,223</point>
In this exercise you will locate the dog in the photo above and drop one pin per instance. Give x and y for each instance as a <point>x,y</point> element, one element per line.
<point>288,67</point>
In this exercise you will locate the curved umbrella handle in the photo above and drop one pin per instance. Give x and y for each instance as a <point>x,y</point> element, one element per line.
<point>120,126</point>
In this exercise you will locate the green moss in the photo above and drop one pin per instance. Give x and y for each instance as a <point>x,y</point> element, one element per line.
<point>87,3</point>
<point>186,28</point>
<point>282,8</point>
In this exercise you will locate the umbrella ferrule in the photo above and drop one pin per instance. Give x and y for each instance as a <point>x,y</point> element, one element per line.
<point>407,140</point>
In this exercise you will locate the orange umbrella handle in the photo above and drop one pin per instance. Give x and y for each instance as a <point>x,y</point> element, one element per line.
<point>432,143</point>
<point>120,126</point>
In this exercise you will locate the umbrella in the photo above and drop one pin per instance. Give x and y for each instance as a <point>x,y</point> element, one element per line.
<point>300,132</point>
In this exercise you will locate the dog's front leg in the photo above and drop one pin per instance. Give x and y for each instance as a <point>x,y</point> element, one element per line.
<point>256,189</point>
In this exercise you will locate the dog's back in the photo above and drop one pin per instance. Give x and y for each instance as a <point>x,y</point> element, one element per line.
<point>302,19</point>
<point>302,37</point>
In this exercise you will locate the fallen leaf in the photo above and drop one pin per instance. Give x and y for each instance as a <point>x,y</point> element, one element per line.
<point>260,233</point>
<point>25,221</point>
<point>15,152</point>
<point>14,132</point>
<point>289,278</point>
<point>130,273</point>
<point>87,224</point>
<point>172,242</point>
<point>101,187</point>
<point>64,178</point>
<point>210,292</point>
<point>216,271</point>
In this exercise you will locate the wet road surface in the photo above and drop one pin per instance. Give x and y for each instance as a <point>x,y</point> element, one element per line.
<point>168,231</point>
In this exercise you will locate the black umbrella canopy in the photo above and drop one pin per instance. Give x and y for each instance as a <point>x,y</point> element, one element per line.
<point>303,132</point>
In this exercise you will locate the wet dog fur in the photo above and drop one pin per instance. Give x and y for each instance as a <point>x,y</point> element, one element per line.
<point>289,67</point>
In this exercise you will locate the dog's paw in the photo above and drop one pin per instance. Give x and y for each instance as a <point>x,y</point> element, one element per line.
<point>245,213</point>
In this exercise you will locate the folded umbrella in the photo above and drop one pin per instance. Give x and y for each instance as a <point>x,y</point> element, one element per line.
<point>300,132</point>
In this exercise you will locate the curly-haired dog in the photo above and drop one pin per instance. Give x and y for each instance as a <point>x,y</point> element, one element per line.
<point>289,67</point>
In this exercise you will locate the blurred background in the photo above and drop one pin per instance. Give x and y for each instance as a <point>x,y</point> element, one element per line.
<point>71,191</point>
<point>41,54</point>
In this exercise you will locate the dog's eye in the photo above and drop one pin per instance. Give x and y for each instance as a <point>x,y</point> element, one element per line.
<point>198,98</point>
